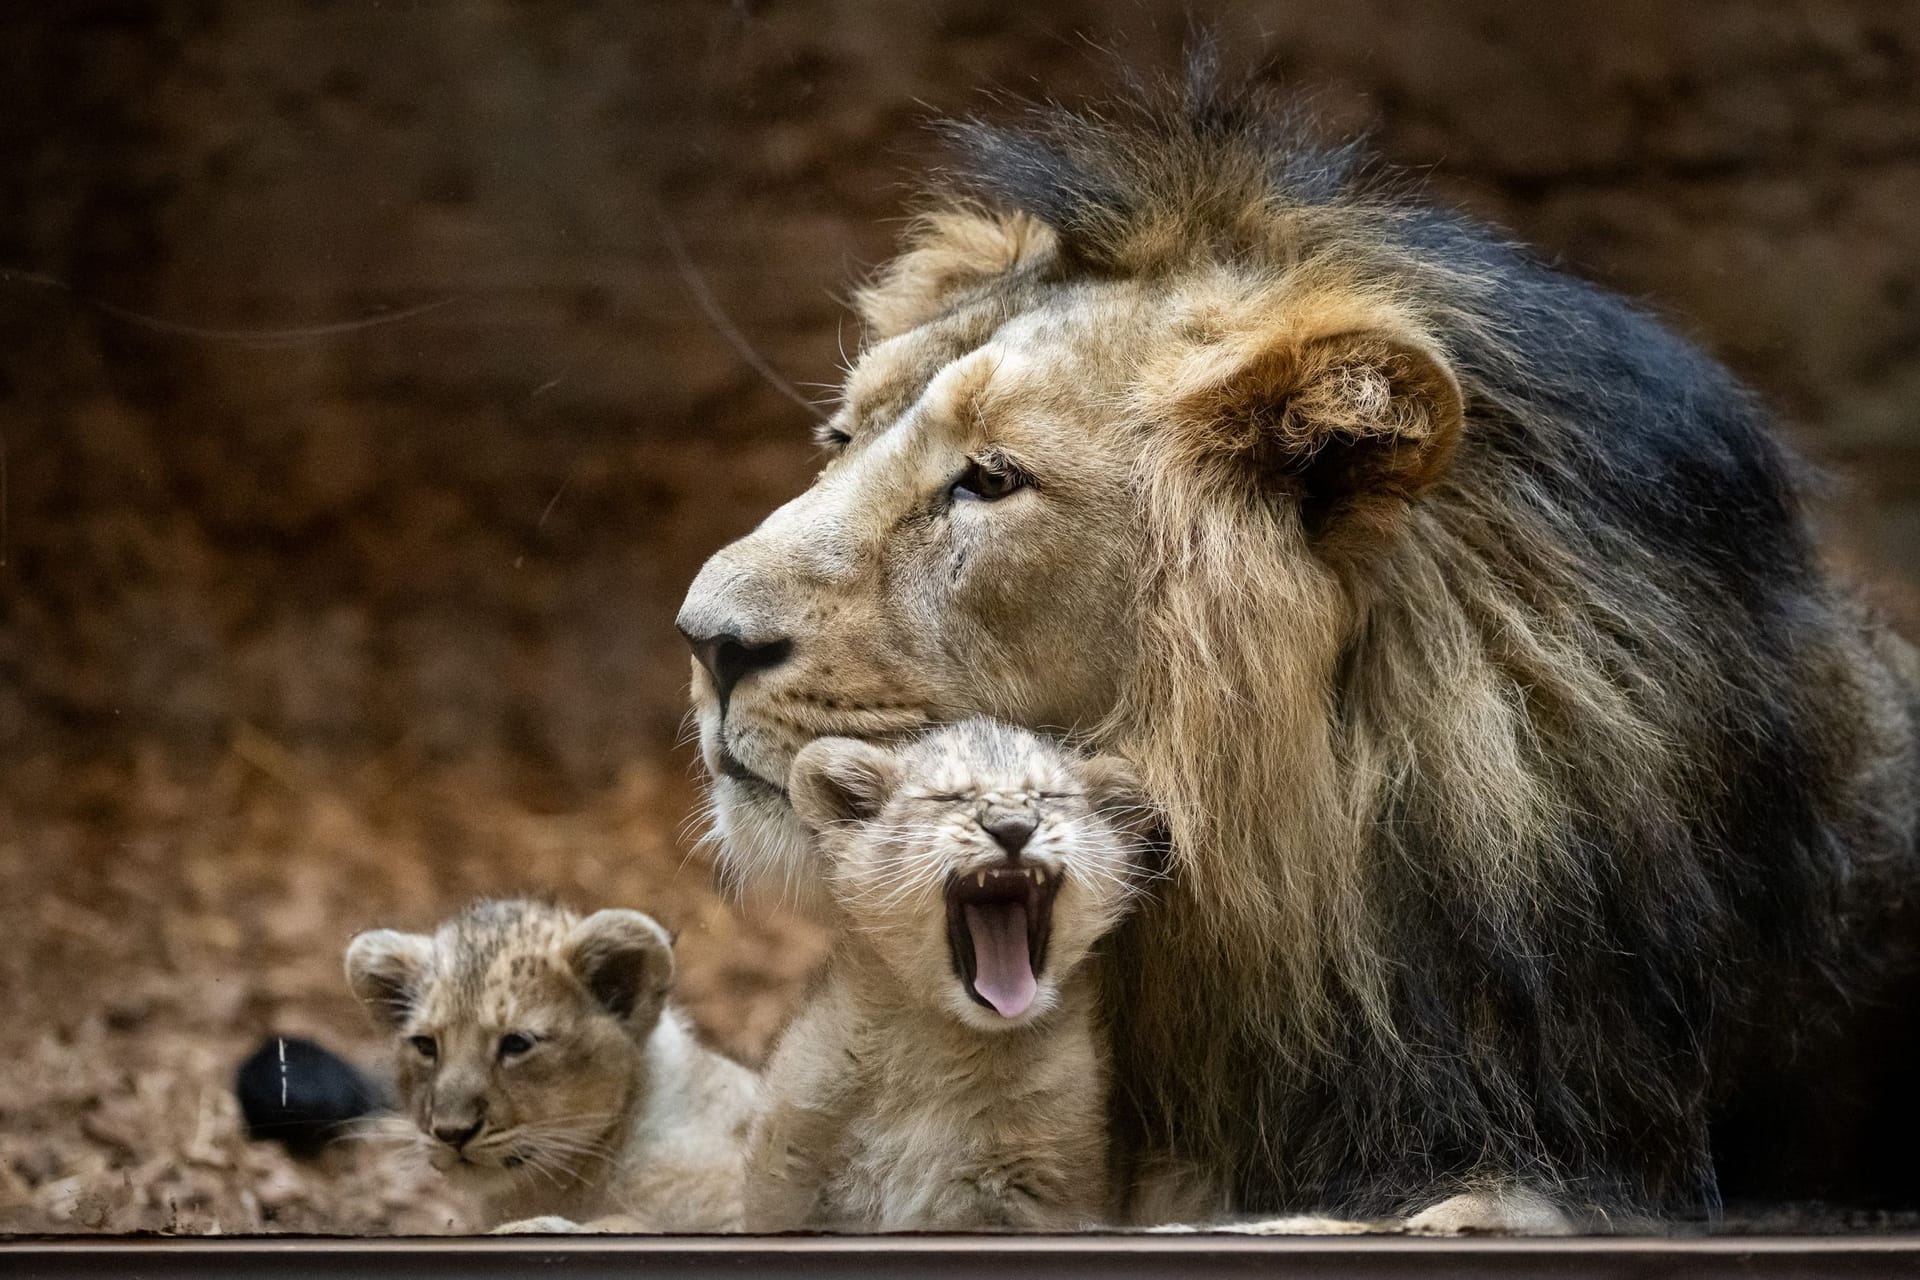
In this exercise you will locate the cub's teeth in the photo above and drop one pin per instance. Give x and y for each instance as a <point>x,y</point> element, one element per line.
<point>980,879</point>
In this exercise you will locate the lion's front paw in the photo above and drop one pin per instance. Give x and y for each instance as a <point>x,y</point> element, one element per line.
<point>1296,1224</point>
<point>545,1225</point>
<point>1514,1211</point>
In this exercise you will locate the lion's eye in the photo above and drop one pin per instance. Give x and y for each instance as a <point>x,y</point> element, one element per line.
<point>425,1046</point>
<point>515,1043</point>
<point>832,439</point>
<point>988,480</point>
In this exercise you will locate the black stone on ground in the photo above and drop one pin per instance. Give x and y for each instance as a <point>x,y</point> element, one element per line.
<point>295,1092</point>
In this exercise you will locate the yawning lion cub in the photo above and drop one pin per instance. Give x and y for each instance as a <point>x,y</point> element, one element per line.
<point>951,1073</point>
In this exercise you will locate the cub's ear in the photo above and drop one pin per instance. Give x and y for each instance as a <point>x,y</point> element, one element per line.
<point>1117,795</point>
<point>949,251</point>
<point>386,968</point>
<point>1357,414</point>
<point>625,961</point>
<point>840,780</point>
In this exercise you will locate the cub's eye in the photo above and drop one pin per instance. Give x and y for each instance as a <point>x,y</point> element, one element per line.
<point>424,1046</point>
<point>514,1043</point>
<point>988,479</point>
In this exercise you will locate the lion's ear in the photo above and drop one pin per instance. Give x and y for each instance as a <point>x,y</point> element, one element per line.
<point>385,969</point>
<point>1117,795</point>
<point>840,780</point>
<point>1356,421</point>
<point>625,961</point>
<point>947,252</point>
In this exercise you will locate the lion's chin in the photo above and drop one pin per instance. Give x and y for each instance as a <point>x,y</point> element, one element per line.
<point>764,848</point>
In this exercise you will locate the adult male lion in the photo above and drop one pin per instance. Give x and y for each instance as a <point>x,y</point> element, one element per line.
<point>1536,799</point>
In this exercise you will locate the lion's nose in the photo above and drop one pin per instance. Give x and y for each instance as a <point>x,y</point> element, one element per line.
<point>729,659</point>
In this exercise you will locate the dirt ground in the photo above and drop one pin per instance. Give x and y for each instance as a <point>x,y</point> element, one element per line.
<point>162,923</point>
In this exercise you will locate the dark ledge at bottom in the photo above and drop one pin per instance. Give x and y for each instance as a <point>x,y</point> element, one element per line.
<point>1105,1257</point>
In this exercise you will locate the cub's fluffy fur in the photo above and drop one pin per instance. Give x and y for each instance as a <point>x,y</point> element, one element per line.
<point>548,1076</point>
<point>1542,810</point>
<point>899,1099</point>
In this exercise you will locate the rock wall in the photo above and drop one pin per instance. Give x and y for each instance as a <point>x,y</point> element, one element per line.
<point>376,376</point>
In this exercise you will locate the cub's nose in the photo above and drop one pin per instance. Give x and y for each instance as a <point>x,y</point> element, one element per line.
<point>457,1135</point>
<point>1010,833</point>
<point>729,658</point>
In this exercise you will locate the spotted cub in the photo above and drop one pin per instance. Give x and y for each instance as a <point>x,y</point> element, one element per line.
<point>549,1079</point>
<point>950,1072</point>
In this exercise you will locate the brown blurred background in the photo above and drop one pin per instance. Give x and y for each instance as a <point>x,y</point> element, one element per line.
<point>371,387</point>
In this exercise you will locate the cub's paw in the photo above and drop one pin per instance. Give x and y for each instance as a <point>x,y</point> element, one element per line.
<point>1511,1211</point>
<point>545,1225</point>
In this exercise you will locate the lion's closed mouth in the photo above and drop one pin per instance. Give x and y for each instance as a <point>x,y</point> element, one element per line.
<point>731,767</point>
<point>998,921</point>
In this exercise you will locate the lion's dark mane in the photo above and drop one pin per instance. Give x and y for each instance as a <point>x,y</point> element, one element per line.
<point>1685,987</point>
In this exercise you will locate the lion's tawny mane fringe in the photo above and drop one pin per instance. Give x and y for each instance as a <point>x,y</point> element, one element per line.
<point>1526,793</point>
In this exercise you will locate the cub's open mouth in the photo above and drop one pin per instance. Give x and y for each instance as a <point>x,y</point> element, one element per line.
<point>997,926</point>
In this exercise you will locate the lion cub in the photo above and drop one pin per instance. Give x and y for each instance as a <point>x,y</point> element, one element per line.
<point>950,1072</point>
<point>548,1077</point>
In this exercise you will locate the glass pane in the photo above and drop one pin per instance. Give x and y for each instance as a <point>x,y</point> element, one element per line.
<point>376,379</point>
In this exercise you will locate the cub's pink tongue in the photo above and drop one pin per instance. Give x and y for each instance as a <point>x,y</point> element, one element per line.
<point>1002,971</point>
